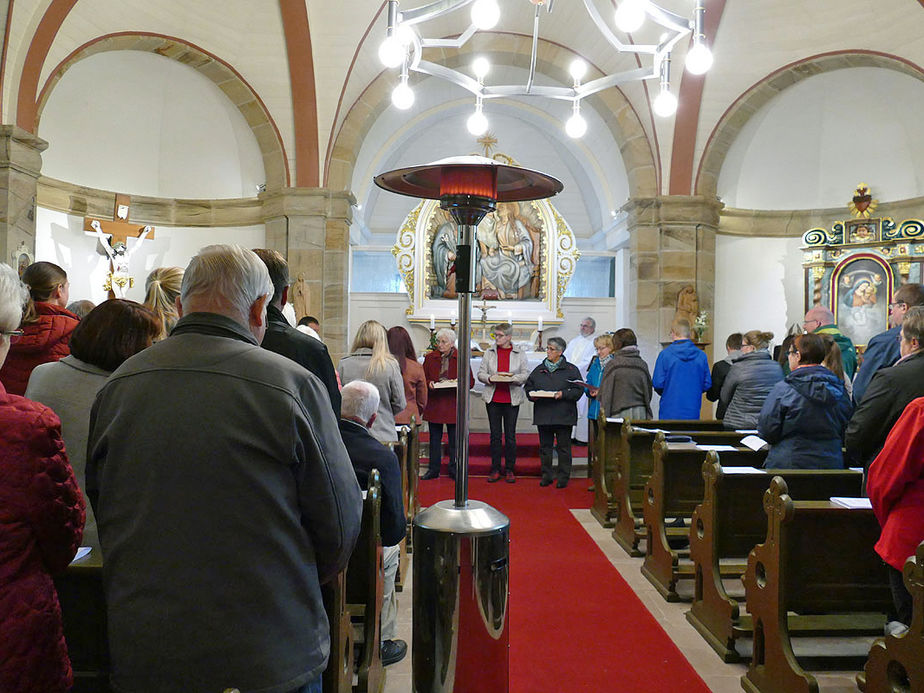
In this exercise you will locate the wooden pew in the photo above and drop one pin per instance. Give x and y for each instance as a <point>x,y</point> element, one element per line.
<point>632,462</point>
<point>338,676</point>
<point>674,489</point>
<point>604,469</point>
<point>365,583</point>
<point>402,451</point>
<point>728,524</point>
<point>413,477</point>
<point>817,561</point>
<point>83,610</point>
<point>897,663</point>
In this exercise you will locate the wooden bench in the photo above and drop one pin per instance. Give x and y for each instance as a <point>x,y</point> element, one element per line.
<point>674,489</point>
<point>603,507</point>
<point>631,461</point>
<point>365,584</point>
<point>338,676</point>
<point>817,562</point>
<point>401,448</point>
<point>413,477</point>
<point>83,611</point>
<point>728,524</point>
<point>896,663</point>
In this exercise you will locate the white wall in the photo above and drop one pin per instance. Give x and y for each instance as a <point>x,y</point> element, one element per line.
<point>60,238</point>
<point>758,285</point>
<point>142,124</point>
<point>812,144</point>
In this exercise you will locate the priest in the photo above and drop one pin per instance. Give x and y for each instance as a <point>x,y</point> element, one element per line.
<point>580,351</point>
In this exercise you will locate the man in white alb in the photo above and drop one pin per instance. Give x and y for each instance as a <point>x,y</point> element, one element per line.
<point>579,352</point>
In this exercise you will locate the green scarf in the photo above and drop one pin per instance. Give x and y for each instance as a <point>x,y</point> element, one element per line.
<point>553,366</point>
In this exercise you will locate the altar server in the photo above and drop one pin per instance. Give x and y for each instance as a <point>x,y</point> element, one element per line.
<point>579,352</point>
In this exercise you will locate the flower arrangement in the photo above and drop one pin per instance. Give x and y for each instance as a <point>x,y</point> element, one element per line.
<point>700,325</point>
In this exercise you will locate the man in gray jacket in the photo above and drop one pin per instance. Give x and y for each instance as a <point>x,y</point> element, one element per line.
<point>224,497</point>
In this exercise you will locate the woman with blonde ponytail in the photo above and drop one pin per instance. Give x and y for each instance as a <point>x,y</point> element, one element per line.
<point>749,381</point>
<point>370,360</point>
<point>161,289</point>
<point>46,326</point>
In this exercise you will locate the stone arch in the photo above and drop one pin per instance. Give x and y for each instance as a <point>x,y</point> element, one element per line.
<point>751,101</point>
<point>234,86</point>
<point>612,105</point>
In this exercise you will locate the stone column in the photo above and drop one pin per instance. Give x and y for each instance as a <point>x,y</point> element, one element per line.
<point>311,228</point>
<point>20,166</point>
<point>672,244</point>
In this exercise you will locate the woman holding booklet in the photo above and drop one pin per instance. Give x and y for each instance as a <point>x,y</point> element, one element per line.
<point>554,387</point>
<point>441,370</point>
<point>503,371</point>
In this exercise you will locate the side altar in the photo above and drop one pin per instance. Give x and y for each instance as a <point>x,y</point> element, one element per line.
<point>855,267</point>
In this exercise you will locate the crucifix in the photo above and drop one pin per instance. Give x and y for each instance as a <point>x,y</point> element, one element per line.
<point>113,236</point>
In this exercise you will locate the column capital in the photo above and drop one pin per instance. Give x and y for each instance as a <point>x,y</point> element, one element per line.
<point>309,202</point>
<point>21,150</point>
<point>669,210</point>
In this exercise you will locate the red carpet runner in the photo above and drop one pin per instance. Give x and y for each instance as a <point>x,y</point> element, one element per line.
<point>479,453</point>
<point>575,625</point>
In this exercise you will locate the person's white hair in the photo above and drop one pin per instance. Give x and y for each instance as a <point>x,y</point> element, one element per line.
<point>446,332</point>
<point>13,296</point>
<point>359,400</point>
<point>230,275</point>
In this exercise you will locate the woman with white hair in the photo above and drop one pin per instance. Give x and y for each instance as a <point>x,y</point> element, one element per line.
<point>40,526</point>
<point>441,367</point>
<point>370,360</point>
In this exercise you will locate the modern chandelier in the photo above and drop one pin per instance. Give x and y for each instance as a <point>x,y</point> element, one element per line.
<point>404,46</point>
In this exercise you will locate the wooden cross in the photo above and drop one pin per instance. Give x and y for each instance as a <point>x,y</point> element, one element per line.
<point>119,232</point>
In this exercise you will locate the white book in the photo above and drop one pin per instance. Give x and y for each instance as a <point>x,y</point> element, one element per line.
<point>754,442</point>
<point>742,470</point>
<point>545,394</point>
<point>717,448</point>
<point>614,419</point>
<point>852,503</point>
<point>444,384</point>
<point>81,552</point>
<point>648,430</point>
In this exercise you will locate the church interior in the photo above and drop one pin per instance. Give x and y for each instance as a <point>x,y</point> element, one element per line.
<point>198,122</point>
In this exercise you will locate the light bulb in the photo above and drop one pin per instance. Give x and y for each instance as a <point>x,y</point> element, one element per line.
<point>402,96</point>
<point>391,52</point>
<point>699,59</point>
<point>576,126</point>
<point>630,15</point>
<point>485,14</point>
<point>665,104</point>
<point>477,123</point>
<point>481,67</point>
<point>578,69</point>
<point>404,34</point>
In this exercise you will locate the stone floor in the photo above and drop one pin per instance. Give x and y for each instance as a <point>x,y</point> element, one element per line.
<point>719,676</point>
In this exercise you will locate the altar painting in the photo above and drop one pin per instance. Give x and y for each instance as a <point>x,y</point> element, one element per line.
<point>861,289</point>
<point>510,253</point>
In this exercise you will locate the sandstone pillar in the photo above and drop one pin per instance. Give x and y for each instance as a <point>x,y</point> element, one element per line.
<point>311,228</point>
<point>20,166</point>
<point>672,244</point>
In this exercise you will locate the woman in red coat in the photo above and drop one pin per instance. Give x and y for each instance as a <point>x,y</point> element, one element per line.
<point>46,326</point>
<point>415,383</point>
<point>41,523</point>
<point>895,486</point>
<point>439,366</point>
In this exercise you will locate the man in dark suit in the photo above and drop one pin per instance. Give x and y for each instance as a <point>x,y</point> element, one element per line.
<point>359,405</point>
<point>285,340</point>
<point>889,393</point>
<point>882,350</point>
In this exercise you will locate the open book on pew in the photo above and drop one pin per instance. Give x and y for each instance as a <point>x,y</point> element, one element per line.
<point>81,552</point>
<point>852,503</point>
<point>755,443</point>
<point>614,419</point>
<point>649,430</point>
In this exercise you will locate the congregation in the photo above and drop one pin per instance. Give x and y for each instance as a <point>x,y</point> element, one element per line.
<point>238,399</point>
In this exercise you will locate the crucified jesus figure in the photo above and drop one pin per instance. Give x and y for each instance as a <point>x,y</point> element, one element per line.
<point>119,257</point>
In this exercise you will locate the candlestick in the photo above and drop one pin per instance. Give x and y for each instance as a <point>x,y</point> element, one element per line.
<point>432,321</point>
<point>539,328</point>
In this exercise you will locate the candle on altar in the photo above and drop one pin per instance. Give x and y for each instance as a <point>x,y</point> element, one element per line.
<point>432,321</point>
<point>540,324</point>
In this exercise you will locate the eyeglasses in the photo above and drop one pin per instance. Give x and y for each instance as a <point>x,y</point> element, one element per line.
<point>13,334</point>
<point>893,306</point>
<point>551,348</point>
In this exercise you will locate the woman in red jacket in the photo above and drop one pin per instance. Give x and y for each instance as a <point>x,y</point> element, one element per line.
<point>46,326</point>
<point>440,366</point>
<point>40,527</point>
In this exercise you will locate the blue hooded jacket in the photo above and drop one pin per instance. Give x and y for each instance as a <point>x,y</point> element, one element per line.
<point>681,376</point>
<point>804,419</point>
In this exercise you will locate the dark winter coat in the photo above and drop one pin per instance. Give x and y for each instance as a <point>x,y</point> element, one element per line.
<point>626,383</point>
<point>882,351</point>
<point>804,419</point>
<point>746,387</point>
<point>43,342</point>
<point>41,523</point>
<point>555,412</point>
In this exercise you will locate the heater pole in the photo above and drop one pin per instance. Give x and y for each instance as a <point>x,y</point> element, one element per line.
<point>465,286</point>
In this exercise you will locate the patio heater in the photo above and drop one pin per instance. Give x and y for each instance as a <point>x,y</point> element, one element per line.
<point>461,547</point>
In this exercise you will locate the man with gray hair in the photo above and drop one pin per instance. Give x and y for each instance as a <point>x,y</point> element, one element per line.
<point>224,497</point>
<point>359,403</point>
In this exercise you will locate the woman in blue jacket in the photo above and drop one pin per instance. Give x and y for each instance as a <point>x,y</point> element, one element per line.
<point>806,414</point>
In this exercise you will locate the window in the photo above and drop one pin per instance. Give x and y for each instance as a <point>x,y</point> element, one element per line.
<point>594,277</point>
<point>375,271</point>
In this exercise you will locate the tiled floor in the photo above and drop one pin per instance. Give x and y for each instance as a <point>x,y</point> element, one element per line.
<point>719,676</point>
